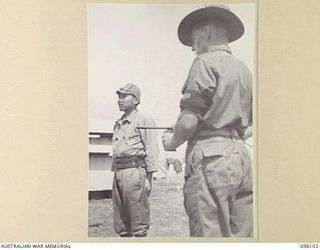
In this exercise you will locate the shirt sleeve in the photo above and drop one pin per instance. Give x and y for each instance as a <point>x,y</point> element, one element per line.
<point>199,87</point>
<point>150,141</point>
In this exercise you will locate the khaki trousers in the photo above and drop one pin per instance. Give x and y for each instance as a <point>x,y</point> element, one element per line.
<point>131,211</point>
<point>218,195</point>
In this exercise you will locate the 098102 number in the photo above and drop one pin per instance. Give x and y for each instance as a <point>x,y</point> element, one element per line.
<point>309,245</point>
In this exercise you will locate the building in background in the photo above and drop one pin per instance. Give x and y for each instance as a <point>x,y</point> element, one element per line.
<point>100,156</point>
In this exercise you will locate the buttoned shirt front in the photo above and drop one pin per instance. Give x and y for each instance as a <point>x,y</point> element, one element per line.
<point>128,140</point>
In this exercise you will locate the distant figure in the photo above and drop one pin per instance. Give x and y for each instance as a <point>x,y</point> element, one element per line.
<point>215,118</point>
<point>175,164</point>
<point>135,158</point>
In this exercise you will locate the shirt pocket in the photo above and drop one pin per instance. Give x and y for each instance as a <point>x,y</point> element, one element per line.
<point>132,140</point>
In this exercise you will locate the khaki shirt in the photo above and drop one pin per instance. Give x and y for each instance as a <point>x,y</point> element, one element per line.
<point>127,140</point>
<point>228,81</point>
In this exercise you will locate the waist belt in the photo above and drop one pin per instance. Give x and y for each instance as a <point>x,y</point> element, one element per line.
<point>204,133</point>
<point>128,162</point>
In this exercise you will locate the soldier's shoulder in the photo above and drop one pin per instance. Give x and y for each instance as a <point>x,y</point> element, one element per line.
<point>244,66</point>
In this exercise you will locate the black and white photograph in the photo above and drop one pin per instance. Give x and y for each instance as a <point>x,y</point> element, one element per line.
<point>150,122</point>
<point>171,95</point>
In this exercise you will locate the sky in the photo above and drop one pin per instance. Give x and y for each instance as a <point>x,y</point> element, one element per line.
<point>138,43</point>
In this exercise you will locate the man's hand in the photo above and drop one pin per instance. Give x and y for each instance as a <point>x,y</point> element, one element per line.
<point>167,140</point>
<point>183,129</point>
<point>148,187</point>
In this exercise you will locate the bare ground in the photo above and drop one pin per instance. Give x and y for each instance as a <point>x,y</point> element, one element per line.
<point>168,217</point>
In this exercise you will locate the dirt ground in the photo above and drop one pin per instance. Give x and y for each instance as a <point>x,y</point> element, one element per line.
<point>168,217</point>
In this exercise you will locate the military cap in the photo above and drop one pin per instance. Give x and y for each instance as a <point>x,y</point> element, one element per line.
<point>130,89</point>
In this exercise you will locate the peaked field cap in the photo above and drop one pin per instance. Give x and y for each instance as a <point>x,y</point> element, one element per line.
<point>220,13</point>
<point>130,89</point>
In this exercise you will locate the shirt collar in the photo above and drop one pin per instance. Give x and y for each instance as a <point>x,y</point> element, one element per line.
<point>129,118</point>
<point>222,47</point>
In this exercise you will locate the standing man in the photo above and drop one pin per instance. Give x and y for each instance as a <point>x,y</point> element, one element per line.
<point>216,112</point>
<point>135,158</point>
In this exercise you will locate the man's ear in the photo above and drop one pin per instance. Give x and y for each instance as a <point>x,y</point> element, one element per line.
<point>207,31</point>
<point>136,101</point>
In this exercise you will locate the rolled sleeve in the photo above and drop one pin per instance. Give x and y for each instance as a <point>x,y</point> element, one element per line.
<point>150,141</point>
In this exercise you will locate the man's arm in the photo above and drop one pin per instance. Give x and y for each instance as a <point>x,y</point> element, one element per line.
<point>184,128</point>
<point>197,98</point>
<point>151,147</point>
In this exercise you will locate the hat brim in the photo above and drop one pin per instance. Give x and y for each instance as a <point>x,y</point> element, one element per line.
<point>125,92</point>
<point>234,25</point>
<point>120,92</point>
